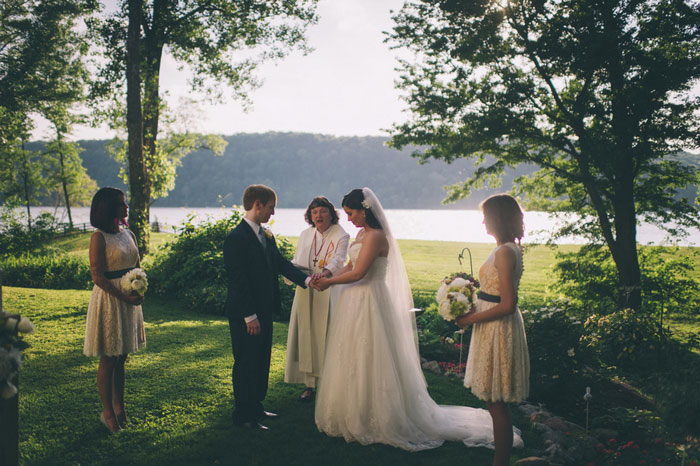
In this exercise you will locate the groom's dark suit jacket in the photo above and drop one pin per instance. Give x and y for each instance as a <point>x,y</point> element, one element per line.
<point>252,273</point>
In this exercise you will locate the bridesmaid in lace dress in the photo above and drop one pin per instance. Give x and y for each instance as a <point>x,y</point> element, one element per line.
<point>498,367</point>
<point>114,326</point>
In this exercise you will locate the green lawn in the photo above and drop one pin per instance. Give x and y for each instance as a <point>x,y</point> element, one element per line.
<point>179,398</point>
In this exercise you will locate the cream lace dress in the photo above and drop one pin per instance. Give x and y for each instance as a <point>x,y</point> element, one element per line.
<point>498,367</point>
<point>113,326</point>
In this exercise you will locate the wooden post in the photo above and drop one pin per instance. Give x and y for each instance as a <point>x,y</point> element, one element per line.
<point>9,421</point>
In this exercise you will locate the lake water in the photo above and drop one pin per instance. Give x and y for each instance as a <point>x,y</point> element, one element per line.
<point>433,225</point>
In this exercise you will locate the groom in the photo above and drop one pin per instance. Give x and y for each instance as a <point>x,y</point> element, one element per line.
<point>253,264</point>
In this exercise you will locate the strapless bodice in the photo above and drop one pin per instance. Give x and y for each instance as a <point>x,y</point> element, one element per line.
<point>377,271</point>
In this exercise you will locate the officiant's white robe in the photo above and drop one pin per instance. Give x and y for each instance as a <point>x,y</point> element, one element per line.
<point>311,313</point>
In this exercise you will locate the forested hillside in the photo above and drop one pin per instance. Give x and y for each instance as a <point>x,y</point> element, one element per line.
<point>299,166</point>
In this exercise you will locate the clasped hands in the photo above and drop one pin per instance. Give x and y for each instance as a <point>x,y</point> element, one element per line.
<point>319,281</point>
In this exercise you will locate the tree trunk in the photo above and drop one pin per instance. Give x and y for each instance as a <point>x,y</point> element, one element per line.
<point>153,53</point>
<point>138,178</point>
<point>25,180</point>
<point>63,179</point>
<point>629,292</point>
<point>9,421</point>
<point>151,104</point>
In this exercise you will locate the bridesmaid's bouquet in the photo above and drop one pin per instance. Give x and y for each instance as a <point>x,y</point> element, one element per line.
<point>134,281</point>
<point>457,295</point>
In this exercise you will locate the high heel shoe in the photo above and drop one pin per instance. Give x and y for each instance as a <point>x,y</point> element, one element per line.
<point>122,419</point>
<point>112,429</point>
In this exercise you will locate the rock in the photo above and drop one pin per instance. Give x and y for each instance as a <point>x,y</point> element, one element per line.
<point>539,427</point>
<point>432,366</point>
<point>604,434</point>
<point>540,416</point>
<point>532,461</point>
<point>554,436</point>
<point>528,408</point>
<point>556,423</point>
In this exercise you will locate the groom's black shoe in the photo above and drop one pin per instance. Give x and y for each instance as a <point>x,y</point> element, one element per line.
<point>255,425</point>
<point>252,425</point>
<point>268,415</point>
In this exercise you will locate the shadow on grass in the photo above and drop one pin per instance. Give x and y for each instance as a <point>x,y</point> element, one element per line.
<point>179,401</point>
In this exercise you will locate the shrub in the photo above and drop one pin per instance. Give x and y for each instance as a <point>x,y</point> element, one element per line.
<point>52,271</point>
<point>556,355</point>
<point>588,277</point>
<point>437,338</point>
<point>17,238</point>
<point>626,339</point>
<point>191,267</point>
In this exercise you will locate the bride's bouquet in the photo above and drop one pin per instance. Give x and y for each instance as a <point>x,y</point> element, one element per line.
<point>457,295</point>
<point>134,280</point>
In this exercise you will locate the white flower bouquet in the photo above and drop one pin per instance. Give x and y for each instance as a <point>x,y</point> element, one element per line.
<point>457,295</point>
<point>134,281</point>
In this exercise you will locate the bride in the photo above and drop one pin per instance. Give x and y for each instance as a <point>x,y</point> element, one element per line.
<point>372,388</point>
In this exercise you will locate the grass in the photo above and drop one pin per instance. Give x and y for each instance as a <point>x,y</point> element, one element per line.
<point>179,398</point>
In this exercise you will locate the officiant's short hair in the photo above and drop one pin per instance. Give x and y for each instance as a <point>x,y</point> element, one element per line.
<point>321,201</point>
<point>258,192</point>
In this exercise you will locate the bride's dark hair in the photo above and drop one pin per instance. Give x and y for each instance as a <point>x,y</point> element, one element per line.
<point>353,200</point>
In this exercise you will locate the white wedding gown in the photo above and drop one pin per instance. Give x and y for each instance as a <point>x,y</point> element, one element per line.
<point>372,389</point>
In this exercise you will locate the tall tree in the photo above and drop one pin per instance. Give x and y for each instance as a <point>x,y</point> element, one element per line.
<point>594,92</point>
<point>66,173</point>
<point>40,50</point>
<point>25,181</point>
<point>219,40</point>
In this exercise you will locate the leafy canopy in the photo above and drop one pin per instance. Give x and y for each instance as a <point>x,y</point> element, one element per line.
<point>594,92</point>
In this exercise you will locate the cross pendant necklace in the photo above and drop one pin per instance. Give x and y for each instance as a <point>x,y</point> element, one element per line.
<point>317,253</point>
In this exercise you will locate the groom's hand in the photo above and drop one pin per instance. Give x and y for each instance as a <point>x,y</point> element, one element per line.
<point>253,327</point>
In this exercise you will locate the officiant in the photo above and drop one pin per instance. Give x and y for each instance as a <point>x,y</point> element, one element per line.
<point>321,250</point>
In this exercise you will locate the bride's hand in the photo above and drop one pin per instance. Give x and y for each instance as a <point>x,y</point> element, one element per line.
<point>321,284</point>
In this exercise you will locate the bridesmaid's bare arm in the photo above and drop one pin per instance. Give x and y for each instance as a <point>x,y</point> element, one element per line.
<point>505,264</point>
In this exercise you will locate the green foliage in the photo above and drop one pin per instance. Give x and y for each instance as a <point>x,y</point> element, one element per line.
<point>40,67</point>
<point>627,339</point>
<point>587,278</point>
<point>550,85</point>
<point>190,269</point>
<point>167,158</point>
<point>51,271</point>
<point>556,355</point>
<point>17,238</point>
<point>437,338</point>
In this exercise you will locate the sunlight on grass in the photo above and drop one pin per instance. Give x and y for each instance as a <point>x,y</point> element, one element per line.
<point>178,398</point>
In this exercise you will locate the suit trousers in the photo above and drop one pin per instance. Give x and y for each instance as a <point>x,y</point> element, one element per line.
<point>251,368</point>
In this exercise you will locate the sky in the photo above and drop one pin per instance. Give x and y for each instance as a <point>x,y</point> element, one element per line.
<point>345,87</point>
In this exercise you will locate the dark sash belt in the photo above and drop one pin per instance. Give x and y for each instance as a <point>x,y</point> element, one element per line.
<point>118,273</point>
<point>488,297</point>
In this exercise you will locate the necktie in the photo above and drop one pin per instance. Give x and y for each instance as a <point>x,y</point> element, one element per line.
<point>261,232</point>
